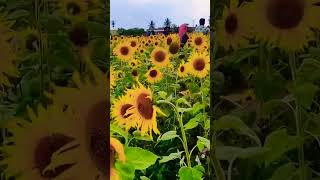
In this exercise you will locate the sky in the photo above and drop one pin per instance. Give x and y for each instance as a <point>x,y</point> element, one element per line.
<point>139,13</point>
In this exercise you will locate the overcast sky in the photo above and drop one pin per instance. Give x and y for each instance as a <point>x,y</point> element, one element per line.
<point>139,13</point>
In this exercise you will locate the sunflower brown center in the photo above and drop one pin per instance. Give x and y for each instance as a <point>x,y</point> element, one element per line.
<point>124,109</point>
<point>145,106</point>
<point>73,8</point>
<point>182,69</point>
<point>79,36</point>
<point>231,23</point>
<point>32,42</point>
<point>169,40</point>
<point>153,73</point>
<point>124,50</point>
<point>134,73</point>
<point>198,41</point>
<point>199,64</point>
<point>174,48</point>
<point>285,14</point>
<point>133,44</point>
<point>44,150</point>
<point>97,134</point>
<point>160,56</point>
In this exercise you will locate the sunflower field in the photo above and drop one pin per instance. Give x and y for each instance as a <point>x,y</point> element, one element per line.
<point>53,82</point>
<point>160,106</point>
<point>266,82</point>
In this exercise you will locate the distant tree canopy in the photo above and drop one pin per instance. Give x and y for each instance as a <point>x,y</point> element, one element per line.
<point>152,25</point>
<point>167,23</point>
<point>131,32</point>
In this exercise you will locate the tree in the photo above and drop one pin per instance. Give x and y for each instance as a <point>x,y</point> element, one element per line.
<point>174,28</point>
<point>152,25</point>
<point>131,32</point>
<point>113,23</point>
<point>167,23</point>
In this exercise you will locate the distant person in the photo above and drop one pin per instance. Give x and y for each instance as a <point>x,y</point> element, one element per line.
<point>201,28</point>
<point>183,29</point>
<point>166,31</point>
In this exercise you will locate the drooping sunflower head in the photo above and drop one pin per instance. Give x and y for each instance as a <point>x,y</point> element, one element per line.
<point>154,75</point>
<point>124,51</point>
<point>199,65</point>
<point>143,110</point>
<point>74,10</point>
<point>119,111</point>
<point>285,24</point>
<point>160,57</point>
<point>182,70</point>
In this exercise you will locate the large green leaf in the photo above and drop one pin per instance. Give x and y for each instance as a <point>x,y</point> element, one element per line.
<point>168,135</point>
<point>287,172</point>
<point>188,173</point>
<point>126,171</point>
<point>171,156</point>
<point>230,152</point>
<point>192,123</point>
<point>140,158</point>
<point>279,142</point>
<point>305,92</point>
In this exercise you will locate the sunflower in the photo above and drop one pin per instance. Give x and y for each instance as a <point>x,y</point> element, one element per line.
<point>199,41</point>
<point>133,63</point>
<point>133,43</point>
<point>143,110</point>
<point>182,70</point>
<point>171,38</point>
<point>135,74</point>
<point>119,111</point>
<point>89,102</point>
<point>26,41</point>
<point>113,78</point>
<point>199,65</point>
<point>160,57</point>
<point>124,51</point>
<point>116,149</point>
<point>174,48</point>
<point>247,97</point>
<point>28,152</point>
<point>285,23</point>
<point>74,10</point>
<point>233,29</point>
<point>154,75</point>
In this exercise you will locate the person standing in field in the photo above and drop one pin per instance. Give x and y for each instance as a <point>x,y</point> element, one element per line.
<point>201,28</point>
<point>183,29</point>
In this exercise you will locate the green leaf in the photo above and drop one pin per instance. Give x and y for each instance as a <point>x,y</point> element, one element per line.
<point>309,70</point>
<point>183,101</point>
<point>279,142</point>
<point>192,123</point>
<point>163,94</point>
<point>305,93</point>
<point>126,171</point>
<point>168,135</point>
<point>203,141</point>
<point>140,158</point>
<point>18,14</point>
<point>197,107</point>
<point>287,172</point>
<point>137,135</point>
<point>118,130</point>
<point>144,178</point>
<point>171,156</point>
<point>230,152</point>
<point>187,173</point>
<point>229,122</point>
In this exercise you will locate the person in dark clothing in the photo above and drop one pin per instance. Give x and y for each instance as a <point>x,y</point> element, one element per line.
<point>183,29</point>
<point>166,31</point>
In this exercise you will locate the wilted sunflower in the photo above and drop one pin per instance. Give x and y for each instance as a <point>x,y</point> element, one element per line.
<point>199,41</point>
<point>199,65</point>
<point>182,70</point>
<point>154,75</point>
<point>73,10</point>
<point>124,51</point>
<point>29,150</point>
<point>285,23</point>
<point>143,110</point>
<point>232,28</point>
<point>160,57</point>
<point>119,111</point>
<point>90,104</point>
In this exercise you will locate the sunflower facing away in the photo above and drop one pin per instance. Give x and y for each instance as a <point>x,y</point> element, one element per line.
<point>199,65</point>
<point>28,152</point>
<point>285,23</point>
<point>154,75</point>
<point>124,51</point>
<point>160,57</point>
<point>143,111</point>
<point>232,28</point>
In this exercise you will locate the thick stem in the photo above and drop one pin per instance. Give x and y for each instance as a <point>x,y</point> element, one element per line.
<point>297,114</point>
<point>184,138</point>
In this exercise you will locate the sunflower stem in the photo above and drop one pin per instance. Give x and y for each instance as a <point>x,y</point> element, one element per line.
<point>297,115</point>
